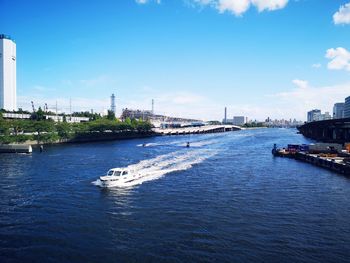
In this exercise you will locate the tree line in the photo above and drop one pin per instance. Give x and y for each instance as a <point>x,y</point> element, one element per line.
<point>46,130</point>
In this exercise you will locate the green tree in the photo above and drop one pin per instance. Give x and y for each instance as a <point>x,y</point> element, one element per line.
<point>42,128</point>
<point>111,115</point>
<point>38,115</point>
<point>64,130</point>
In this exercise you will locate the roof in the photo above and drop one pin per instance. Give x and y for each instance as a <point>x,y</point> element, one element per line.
<point>3,36</point>
<point>117,169</point>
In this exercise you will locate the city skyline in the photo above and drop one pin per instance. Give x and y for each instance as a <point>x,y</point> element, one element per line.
<point>192,57</point>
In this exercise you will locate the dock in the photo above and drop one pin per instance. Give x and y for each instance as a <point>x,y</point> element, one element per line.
<point>15,148</point>
<point>197,130</point>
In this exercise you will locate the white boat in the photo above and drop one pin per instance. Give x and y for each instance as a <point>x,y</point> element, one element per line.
<point>119,177</point>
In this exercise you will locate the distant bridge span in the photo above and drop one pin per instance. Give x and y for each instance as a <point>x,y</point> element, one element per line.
<point>197,130</point>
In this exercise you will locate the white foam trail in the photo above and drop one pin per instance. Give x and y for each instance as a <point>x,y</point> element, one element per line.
<point>97,182</point>
<point>147,144</point>
<point>199,143</point>
<point>202,143</point>
<point>161,165</point>
<point>153,144</point>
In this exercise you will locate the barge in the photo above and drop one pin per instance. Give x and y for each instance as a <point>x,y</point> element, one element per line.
<point>332,157</point>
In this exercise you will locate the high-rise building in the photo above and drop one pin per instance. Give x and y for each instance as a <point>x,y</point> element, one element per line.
<point>8,99</point>
<point>313,115</point>
<point>347,108</point>
<point>338,110</point>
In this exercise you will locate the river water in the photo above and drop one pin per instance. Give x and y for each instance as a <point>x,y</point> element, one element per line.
<point>224,199</point>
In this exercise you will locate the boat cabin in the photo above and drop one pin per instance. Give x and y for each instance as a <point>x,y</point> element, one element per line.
<point>117,172</point>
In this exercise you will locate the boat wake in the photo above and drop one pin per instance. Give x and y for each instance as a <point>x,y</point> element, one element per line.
<point>155,168</point>
<point>198,143</point>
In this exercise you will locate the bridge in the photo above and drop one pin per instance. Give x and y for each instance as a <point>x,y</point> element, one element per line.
<point>197,130</point>
<point>332,131</point>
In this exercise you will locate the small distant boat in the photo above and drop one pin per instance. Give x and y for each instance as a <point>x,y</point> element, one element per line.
<point>119,177</point>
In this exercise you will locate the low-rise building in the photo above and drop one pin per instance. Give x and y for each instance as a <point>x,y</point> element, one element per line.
<point>238,120</point>
<point>10,115</point>
<point>313,115</point>
<point>325,116</point>
<point>69,119</point>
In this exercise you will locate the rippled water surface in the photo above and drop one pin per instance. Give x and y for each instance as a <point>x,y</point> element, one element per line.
<point>224,199</point>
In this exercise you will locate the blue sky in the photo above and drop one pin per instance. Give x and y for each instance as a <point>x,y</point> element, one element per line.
<point>260,58</point>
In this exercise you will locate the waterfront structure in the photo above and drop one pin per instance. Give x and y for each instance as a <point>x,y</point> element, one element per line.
<point>136,114</point>
<point>56,118</point>
<point>21,116</point>
<point>338,110</point>
<point>8,99</point>
<point>347,107</point>
<point>238,120</point>
<point>313,115</point>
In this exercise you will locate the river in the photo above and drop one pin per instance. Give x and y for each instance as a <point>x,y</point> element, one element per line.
<point>224,199</point>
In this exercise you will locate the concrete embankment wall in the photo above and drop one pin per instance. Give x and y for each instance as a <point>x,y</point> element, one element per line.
<point>109,136</point>
<point>95,137</point>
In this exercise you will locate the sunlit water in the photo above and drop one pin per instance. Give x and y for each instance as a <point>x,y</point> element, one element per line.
<point>224,199</point>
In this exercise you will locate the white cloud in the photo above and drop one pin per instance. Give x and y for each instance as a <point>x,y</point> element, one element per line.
<point>302,84</point>
<point>238,7</point>
<point>306,97</point>
<point>147,1</point>
<point>316,65</point>
<point>340,59</point>
<point>343,15</point>
<point>269,4</point>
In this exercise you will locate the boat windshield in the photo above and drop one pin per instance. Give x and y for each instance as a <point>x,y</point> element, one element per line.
<point>115,173</point>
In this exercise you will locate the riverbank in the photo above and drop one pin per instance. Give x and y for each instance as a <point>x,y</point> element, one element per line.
<point>50,132</point>
<point>91,137</point>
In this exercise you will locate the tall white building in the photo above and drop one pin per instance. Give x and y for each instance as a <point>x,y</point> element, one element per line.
<point>8,98</point>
